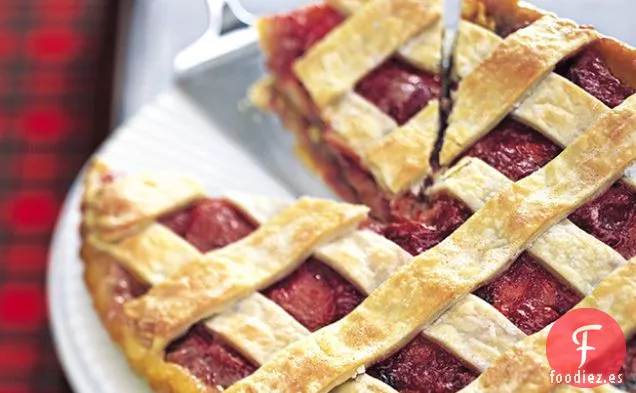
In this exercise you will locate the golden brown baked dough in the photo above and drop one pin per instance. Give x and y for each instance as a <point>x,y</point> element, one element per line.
<point>428,294</point>
<point>493,237</point>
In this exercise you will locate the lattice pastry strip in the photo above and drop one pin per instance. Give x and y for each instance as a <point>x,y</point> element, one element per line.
<point>335,64</point>
<point>259,328</point>
<point>152,254</point>
<point>557,108</point>
<point>526,364</point>
<point>205,286</point>
<point>124,205</point>
<point>423,50</point>
<point>363,257</point>
<point>265,327</point>
<point>483,246</point>
<point>475,331</point>
<point>518,64</point>
<point>577,257</point>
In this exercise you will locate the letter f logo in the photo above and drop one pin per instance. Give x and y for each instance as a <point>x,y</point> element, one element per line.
<point>583,344</point>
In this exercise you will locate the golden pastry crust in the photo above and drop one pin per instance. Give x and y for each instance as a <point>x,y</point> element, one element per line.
<point>474,45</point>
<point>357,121</point>
<point>417,293</point>
<point>557,108</point>
<point>122,206</point>
<point>365,258</point>
<point>347,6</point>
<point>401,159</point>
<point>506,225</point>
<point>333,66</point>
<point>525,366</point>
<point>425,49</point>
<point>203,287</point>
<point>257,326</point>
<point>152,254</point>
<point>560,110</point>
<point>566,250</point>
<point>264,327</point>
<point>520,62</point>
<point>475,331</point>
<point>102,273</point>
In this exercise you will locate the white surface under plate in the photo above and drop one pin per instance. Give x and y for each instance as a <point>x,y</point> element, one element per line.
<point>203,127</point>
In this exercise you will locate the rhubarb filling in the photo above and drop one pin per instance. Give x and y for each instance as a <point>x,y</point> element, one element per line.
<point>589,71</point>
<point>514,149</point>
<point>211,224</point>
<point>528,295</point>
<point>444,215</point>
<point>399,89</point>
<point>423,366</point>
<point>316,296</point>
<point>611,218</point>
<point>209,358</point>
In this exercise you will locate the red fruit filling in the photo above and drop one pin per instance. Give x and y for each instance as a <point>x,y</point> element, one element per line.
<point>315,295</point>
<point>209,358</point>
<point>296,32</point>
<point>423,366</point>
<point>528,295</point>
<point>611,218</point>
<point>398,89</point>
<point>127,287</point>
<point>210,224</point>
<point>514,149</point>
<point>589,71</point>
<point>629,368</point>
<point>444,216</point>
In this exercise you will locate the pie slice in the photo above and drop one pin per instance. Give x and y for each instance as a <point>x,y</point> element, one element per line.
<point>448,283</point>
<point>358,83</point>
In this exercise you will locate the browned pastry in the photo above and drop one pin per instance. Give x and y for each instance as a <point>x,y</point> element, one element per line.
<point>456,276</point>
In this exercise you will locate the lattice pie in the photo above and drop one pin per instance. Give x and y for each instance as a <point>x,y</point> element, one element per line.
<point>473,220</point>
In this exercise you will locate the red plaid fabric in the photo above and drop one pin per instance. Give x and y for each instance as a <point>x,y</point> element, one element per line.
<point>55,82</point>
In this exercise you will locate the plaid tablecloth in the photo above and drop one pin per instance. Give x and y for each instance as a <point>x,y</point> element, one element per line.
<point>56,60</point>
